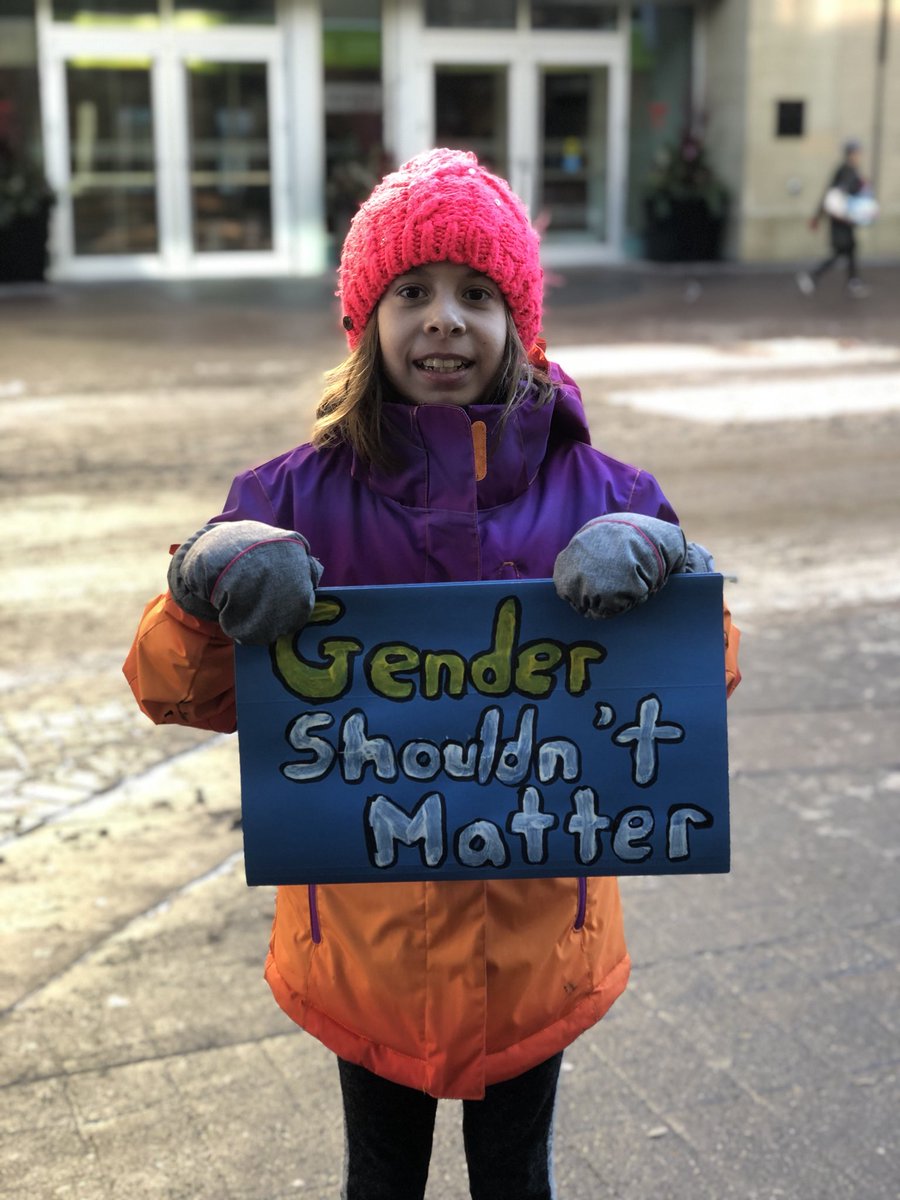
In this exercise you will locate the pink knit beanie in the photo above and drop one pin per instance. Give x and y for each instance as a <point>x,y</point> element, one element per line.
<point>441,206</point>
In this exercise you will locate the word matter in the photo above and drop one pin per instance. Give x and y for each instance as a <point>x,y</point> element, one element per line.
<point>633,834</point>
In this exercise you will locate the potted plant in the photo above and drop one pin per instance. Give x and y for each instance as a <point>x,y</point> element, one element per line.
<point>25,203</point>
<point>685,205</point>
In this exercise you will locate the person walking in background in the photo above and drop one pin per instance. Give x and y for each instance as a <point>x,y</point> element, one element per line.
<point>446,447</point>
<point>845,183</point>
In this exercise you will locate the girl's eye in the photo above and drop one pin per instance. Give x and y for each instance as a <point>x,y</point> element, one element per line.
<point>478,294</point>
<point>410,291</point>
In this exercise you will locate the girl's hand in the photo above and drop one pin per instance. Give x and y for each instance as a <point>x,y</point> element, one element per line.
<point>257,581</point>
<point>615,562</point>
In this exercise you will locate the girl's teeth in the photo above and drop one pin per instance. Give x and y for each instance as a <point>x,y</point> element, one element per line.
<point>443,364</point>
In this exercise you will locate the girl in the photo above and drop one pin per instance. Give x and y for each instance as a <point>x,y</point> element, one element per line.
<point>443,450</point>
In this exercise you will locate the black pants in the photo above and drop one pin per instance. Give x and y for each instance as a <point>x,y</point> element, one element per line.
<point>508,1137</point>
<point>843,245</point>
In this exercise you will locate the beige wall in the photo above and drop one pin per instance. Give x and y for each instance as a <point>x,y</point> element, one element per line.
<point>823,52</point>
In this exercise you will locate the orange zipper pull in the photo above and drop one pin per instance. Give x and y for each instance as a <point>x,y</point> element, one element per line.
<point>479,445</point>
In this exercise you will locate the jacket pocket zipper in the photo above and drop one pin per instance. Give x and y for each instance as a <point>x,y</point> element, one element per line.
<point>581,911</point>
<point>314,927</point>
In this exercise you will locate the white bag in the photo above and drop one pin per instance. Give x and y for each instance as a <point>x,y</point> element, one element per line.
<point>835,203</point>
<point>861,209</point>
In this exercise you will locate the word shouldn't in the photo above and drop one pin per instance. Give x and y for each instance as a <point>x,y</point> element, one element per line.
<point>488,756</point>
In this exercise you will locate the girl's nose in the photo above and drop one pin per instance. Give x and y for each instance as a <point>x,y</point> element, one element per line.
<point>444,316</point>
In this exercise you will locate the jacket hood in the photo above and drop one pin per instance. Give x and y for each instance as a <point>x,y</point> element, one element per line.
<point>569,418</point>
<point>434,444</point>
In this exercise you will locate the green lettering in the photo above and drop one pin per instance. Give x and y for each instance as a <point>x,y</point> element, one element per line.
<point>491,670</point>
<point>581,655</point>
<point>535,666</point>
<point>383,666</point>
<point>327,680</point>
<point>443,664</point>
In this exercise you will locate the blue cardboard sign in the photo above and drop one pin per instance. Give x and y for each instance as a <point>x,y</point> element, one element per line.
<point>486,730</point>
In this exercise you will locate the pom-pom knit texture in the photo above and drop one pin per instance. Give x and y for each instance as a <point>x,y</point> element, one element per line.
<point>441,206</point>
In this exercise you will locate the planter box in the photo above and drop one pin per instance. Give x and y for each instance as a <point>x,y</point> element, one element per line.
<point>689,233</point>
<point>23,248</point>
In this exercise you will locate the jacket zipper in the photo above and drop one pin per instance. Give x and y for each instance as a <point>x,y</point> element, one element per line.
<point>314,927</point>
<point>582,903</point>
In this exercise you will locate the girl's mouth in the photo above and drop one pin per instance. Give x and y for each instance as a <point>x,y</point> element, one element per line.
<point>445,366</point>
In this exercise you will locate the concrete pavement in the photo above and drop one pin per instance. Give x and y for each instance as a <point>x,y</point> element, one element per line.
<point>755,1054</point>
<point>110,336</point>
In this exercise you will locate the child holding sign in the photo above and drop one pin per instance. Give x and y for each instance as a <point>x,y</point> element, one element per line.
<point>445,448</point>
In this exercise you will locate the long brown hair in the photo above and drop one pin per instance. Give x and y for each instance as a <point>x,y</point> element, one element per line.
<point>351,406</point>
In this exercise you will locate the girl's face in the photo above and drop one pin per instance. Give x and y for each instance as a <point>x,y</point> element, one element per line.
<point>442,332</point>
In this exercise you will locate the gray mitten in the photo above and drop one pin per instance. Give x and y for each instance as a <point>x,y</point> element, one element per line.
<point>615,562</point>
<point>257,581</point>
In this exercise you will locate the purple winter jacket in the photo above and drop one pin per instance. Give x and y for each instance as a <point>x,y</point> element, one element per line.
<point>430,520</point>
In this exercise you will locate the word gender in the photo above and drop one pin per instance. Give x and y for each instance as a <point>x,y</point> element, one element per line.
<point>400,671</point>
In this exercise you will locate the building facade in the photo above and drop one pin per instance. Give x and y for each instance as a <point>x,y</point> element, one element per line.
<point>787,83</point>
<point>195,138</point>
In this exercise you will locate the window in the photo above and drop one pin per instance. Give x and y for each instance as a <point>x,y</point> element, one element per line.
<point>202,14</point>
<point>194,14</point>
<point>573,14</point>
<point>661,111</point>
<point>574,152</point>
<point>230,170</point>
<point>106,12</point>
<point>470,112</point>
<point>789,118</point>
<point>113,180</point>
<point>470,14</point>
<point>20,123</point>
<point>355,158</point>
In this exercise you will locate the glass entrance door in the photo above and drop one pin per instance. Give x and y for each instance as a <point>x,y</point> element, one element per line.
<point>573,153</point>
<point>470,112</point>
<point>550,116</point>
<point>112,160</point>
<point>230,161</point>
<point>167,143</point>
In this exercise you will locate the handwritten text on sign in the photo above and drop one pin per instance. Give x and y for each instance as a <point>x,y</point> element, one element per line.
<point>456,731</point>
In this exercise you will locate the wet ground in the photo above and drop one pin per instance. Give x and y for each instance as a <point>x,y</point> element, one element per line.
<point>755,1054</point>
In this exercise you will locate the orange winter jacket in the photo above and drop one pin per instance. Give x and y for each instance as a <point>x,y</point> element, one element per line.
<point>445,987</point>
<point>522,966</point>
